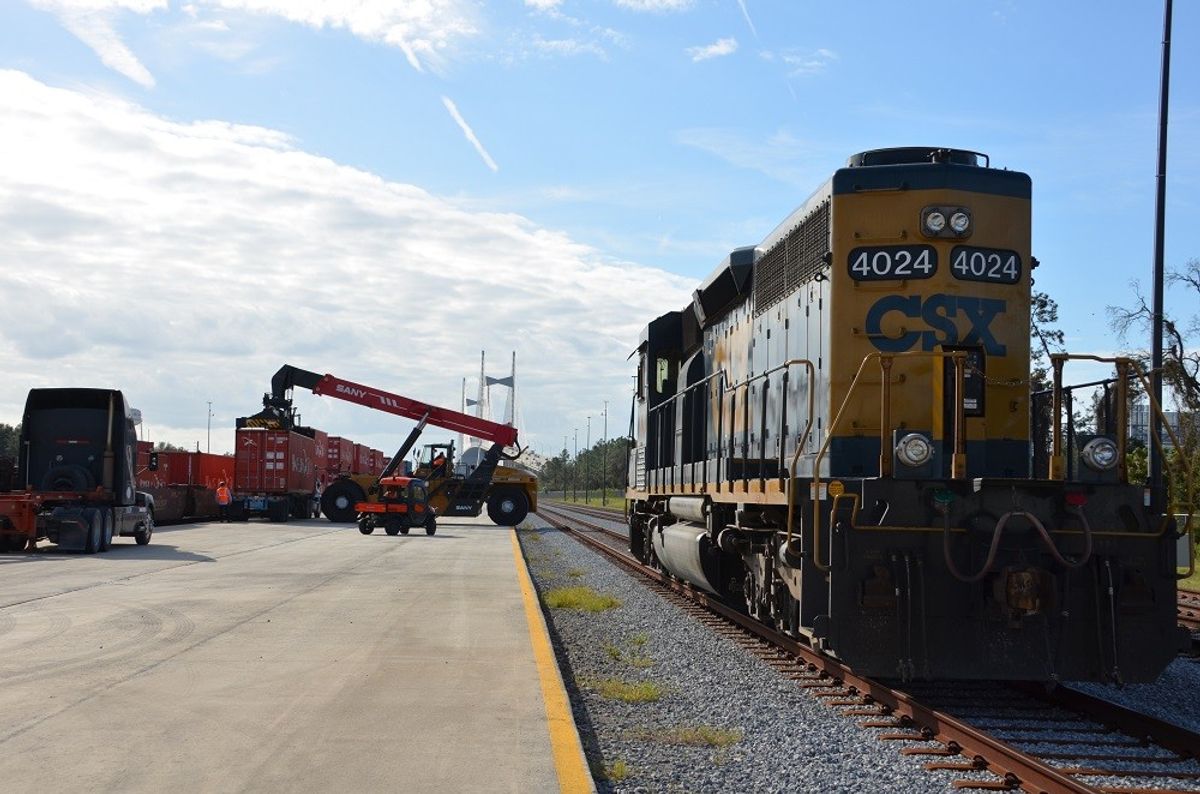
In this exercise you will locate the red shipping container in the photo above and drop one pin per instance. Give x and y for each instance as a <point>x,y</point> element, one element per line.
<point>321,455</point>
<point>362,459</point>
<point>381,460</point>
<point>339,456</point>
<point>196,468</point>
<point>273,462</point>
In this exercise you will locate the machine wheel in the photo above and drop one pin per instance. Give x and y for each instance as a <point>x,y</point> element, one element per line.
<point>365,527</point>
<point>403,530</point>
<point>430,526</point>
<point>12,543</point>
<point>508,506</point>
<point>143,535</point>
<point>106,535</point>
<point>392,528</point>
<point>95,530</point>
<point>69,477</point>
<point>337,503</point>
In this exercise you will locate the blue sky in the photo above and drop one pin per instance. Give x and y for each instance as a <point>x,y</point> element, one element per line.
<point>623,147</point>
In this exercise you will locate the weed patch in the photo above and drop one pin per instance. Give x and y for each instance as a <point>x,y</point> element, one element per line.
<point>582,598</point>
<point>627,691</point>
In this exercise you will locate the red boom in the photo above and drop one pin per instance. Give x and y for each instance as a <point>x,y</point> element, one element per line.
<point>412,409</point>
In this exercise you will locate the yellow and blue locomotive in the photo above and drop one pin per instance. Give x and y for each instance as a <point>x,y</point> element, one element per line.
<point>836,433</point>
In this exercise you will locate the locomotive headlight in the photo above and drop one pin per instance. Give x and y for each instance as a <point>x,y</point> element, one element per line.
<point>935,222</point>
<point>1100,454</point>
<point>960,223</point>
<point>914,449</point>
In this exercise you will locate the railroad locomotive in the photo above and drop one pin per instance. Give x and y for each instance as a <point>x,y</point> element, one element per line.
<point>835,432</point>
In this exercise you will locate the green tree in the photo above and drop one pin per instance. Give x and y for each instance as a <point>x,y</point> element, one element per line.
<point>10,438</point>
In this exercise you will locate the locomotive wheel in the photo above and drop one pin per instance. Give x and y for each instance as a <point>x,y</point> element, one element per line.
<point>337,503</point>
<point>508,506</point>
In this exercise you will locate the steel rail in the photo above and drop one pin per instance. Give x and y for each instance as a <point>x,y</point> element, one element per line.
<point>983,751</point>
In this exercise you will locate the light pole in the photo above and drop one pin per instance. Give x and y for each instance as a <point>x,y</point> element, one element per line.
<point>587,462</point>
<point>1157,502</point>
<point>210,426</point>
<point>604,464</point>
<point>564,469</point>
<point>574,469</point>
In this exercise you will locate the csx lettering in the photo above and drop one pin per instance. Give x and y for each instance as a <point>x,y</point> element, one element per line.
<point>939,313</point>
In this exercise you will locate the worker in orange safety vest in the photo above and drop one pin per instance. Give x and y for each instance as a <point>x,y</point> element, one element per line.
<point>224,498</point>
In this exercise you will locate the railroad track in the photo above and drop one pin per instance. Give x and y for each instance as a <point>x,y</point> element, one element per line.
<point>1189,609</point>
<point>1000,736</point>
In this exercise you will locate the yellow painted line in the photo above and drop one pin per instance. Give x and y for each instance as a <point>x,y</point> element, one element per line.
<point>569,762</point>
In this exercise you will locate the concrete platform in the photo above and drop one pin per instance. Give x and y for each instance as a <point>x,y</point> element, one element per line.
<point>268,657</point>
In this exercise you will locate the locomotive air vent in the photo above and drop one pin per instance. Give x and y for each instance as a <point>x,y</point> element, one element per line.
<point>917,154</point>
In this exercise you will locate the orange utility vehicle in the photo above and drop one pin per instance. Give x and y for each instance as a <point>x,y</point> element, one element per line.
<point>403,505</point>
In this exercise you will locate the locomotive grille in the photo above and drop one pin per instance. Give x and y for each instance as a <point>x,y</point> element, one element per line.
<point>793,261</point>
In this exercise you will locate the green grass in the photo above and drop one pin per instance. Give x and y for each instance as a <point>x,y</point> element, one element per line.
<point>691,736</point>
<point>613,652</point>
<point>616,499</point>
<point>584,599</point>
<point>639,639</point>
<point>616,771</point>
<point>576,573</point>
<point>632,654</point>
<point>627,691</point>
<point>1193,581</point>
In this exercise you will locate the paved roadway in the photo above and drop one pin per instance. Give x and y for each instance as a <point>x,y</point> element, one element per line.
<point>269,657</point>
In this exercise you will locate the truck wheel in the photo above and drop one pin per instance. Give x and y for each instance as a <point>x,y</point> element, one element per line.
<point>95,529</point>
<point>366,527</point>
<point>106,534</point>
<point>143,535</point>
<point>508,506</point>
<point>337,503</point>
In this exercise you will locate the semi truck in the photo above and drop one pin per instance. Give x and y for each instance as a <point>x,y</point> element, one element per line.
<point>76,482</point>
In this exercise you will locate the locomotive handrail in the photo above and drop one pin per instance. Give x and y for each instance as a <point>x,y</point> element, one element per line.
<point>1122,364</point>
<point>958,461</point>
<point>812,376</point>
<point>671,401</point>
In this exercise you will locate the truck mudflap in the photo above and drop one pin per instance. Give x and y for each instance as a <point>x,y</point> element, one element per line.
<point>68,526</point>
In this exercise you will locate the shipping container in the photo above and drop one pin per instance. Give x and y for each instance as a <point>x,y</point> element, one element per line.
<point>273,462</point>
<point>362,459</point>
<point>321,456</point>
<point>339,456</point>
<point>381,461</point>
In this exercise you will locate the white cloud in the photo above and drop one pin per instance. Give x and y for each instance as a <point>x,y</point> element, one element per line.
<point>567,47</point>
<point>717,49</point>
<point>780,155</point>
<point>184,262</point>
<point>469,133</point>
<point>423,30</point>
<point>802,63</point>
<point>92,22</point>
<point>543,5</point>
<point>655,5</point>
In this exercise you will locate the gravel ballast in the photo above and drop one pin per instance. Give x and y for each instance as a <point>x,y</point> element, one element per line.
<point>768,734</point>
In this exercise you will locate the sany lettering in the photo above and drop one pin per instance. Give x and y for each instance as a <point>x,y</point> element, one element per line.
<point>939,313</point>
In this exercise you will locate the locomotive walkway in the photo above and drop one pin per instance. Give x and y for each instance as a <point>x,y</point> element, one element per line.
<point>298,657</point>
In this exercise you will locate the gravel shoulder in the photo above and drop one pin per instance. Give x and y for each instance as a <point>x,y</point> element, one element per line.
<point>723,721</point>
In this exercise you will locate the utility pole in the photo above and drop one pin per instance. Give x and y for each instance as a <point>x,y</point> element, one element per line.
<point>210,426</point>
<point>587,462</point>
<point>604,464</point>
<point>564,469</point>
<point>1157,501</point>
<point>575,470</point>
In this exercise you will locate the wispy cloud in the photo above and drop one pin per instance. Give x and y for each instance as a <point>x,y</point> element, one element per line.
<point>746,14</point>
<point>802,63</point>
<point>567,47</point>
<point>655,5</point>
<point>470,133</point>
<point>717,49</point>
<point>92,22</point>
<point>781,155</point>
<point>543,5</point>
